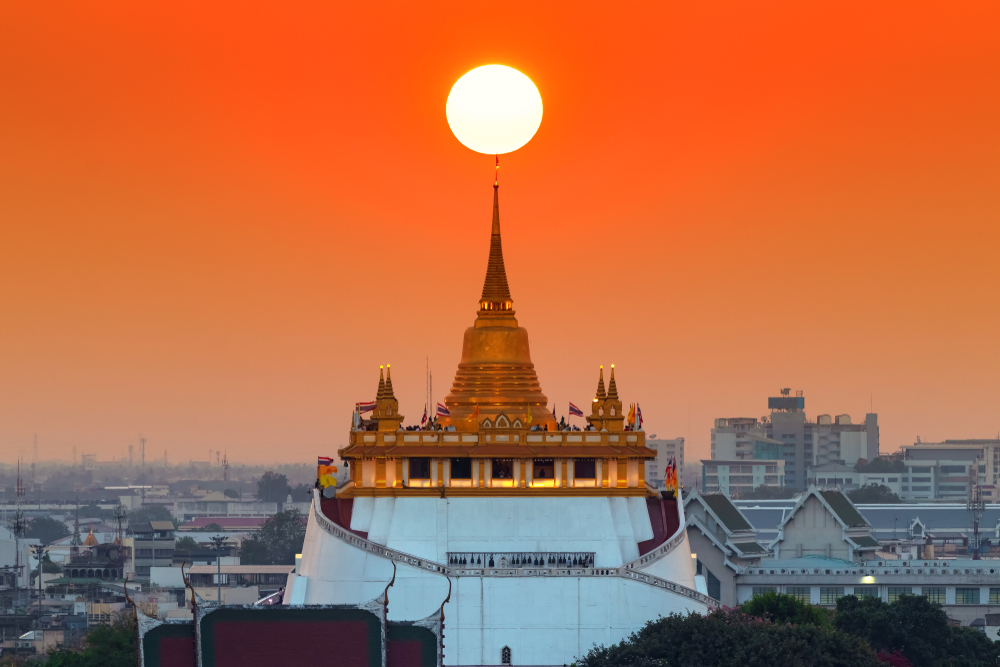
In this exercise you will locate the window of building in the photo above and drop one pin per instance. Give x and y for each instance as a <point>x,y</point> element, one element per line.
<point>502,469</point>
<point>584,469</point>
<point>420,468</point>
<point>920,469</point>
<point>461,468</point>
<point>995,596</point>
<point>544,469</point>
<point>934,593</point>
<point>906,488</point>
<point>762,590</point>
<point>893,479</point>
<point>966,596</point>
<point>505,655</point>
<point>830,594</point>
<point>921,488</point>
<point>866,591</point>
<point>921,479</point>
<point>144,553</point>
<point>800,593</point>
<point>163,553</point>
<point>947,470</point>
<point>896,591</point>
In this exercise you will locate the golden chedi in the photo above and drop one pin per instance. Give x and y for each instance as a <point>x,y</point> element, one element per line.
<point>495,373</point>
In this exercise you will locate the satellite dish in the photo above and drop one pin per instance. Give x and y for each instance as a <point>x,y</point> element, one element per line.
<point>652,437</point>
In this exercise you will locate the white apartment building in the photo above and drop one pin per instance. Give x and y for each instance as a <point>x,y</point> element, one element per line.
<point>665,450</point>
<point>738,478</point>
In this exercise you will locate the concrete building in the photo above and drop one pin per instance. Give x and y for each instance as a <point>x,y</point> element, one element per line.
<point>722,541</point>
<point>216,505</point>
<point>802,443</point>
<point>153,546</point>
<point>847,479</point>
<point>945,470</point>
<point>739,478</point>
<point>665,451</point>
<point>824,522</point>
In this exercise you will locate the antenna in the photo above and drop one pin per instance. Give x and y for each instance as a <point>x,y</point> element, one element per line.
<point>143,441</point>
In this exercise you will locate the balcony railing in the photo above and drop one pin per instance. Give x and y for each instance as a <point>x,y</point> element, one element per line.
<point>522,559</point>
<point>632,438</point>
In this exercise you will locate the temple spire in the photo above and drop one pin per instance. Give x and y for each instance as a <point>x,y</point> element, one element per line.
<point>381,384</point>
<point>612,387</point>
<point>600,386</point>
<point>496,293</point>
<point>388,381</point>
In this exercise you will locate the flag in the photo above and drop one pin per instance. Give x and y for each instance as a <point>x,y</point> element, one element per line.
<point>631,415</point>
<point>638,416</point>
<point>443,411</point>
<point>366,406</point>
<point>573,410</point>
<point>324,471</point>
<point>474,416</point>
<point>528,420</point>
<point>324,461</point>
<point>423,420</point>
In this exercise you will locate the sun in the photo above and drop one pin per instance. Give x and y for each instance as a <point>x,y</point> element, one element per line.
<point>494,109</point>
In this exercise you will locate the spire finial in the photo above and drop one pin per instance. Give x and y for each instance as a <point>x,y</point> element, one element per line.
<point>496,293</point>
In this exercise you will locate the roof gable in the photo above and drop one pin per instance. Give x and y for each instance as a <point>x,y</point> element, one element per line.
<point>726,512</point>
<point>842,506</point>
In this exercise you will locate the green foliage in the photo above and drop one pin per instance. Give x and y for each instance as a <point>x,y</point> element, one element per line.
<point>213,527</point>
<point>106,646</point>
<point>880,464</point>
<point>186,544</point>
<point>917,628</point>
<point>49,567</point>
<point>781,609</point>
<point>150,513</point>
<point>46,530</point>
<point>770,493</point>
<point>873,493</point>
<point>302,493</point>
<point>731,638</point>
<point>277,542</point>
<point>231,493</point>
<point>272,487</point>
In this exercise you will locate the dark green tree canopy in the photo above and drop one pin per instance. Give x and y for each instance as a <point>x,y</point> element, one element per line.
<point>783,609</point>
<point>872,494</point>
<point>46,530</point>
<point>186,543</point>
<point>277,542</point>
<point>272,487</point>
<point>880,464</point>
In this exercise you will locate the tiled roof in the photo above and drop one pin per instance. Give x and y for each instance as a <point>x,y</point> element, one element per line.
<point>749,547</point>
<point>843,507</point>
<point>864,541</point>
<point>726,511</point>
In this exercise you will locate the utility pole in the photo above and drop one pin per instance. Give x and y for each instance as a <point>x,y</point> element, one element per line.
<point>143,441</point>
<point>218,540</point>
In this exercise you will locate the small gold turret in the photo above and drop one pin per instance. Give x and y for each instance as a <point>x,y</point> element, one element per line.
<point>606,410</point>
<point>386,413</point>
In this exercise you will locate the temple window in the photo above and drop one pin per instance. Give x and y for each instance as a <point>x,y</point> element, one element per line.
<point>505,655</point>
<point>543,469</point>
<point>600,412</point>
<point>420,468</point>
<point>461,468</point>
<point>584,469</point>
<point>502,422</point>
<point>612,411</point>
<point>503,469</point>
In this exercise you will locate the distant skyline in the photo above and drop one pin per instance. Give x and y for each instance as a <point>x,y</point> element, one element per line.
<point>218,221</point>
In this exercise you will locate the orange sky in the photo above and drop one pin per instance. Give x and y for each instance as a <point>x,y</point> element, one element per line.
<point>215,223</point>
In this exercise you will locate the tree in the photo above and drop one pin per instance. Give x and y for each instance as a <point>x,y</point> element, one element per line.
<point>107,646</point>
<point>880,464</point>
<point>873,494</point>
<point>231,493</point>
<point>915,627</point>
<point>272,487</point>
<point>302,493</point>
<point>149,513</point>
<point>277,541</point>
<point>213,527</point>
<point>779,608</point>
<point>731,638</point>
<point>763,492</point>
<point>46,531</point>
<point>186,543</point>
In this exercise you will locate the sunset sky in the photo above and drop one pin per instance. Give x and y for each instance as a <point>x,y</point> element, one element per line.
<point>217,220</point>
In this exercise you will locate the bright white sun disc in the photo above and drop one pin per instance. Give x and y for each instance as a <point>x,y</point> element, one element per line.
<point>494,109</point>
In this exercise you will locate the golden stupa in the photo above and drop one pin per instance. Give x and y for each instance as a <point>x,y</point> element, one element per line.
<point>496,373</point>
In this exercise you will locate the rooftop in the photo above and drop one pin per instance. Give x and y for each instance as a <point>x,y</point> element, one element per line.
<point>728,514</point>
<point>844,509</point>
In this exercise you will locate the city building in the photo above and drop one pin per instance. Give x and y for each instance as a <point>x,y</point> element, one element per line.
<point>799,442</point>
<point>824,522</point>
<point>666,451</point>
<point>848,479</point>
<point>535,543</point>
<point>722,541</point>
<point>216,505</point>
<point>153,546</point>
<point>739,478</point>
<point>945,470</point>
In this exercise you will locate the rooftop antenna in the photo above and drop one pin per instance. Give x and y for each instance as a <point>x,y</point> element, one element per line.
<point>976,506</point>
<point>143,441</point>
